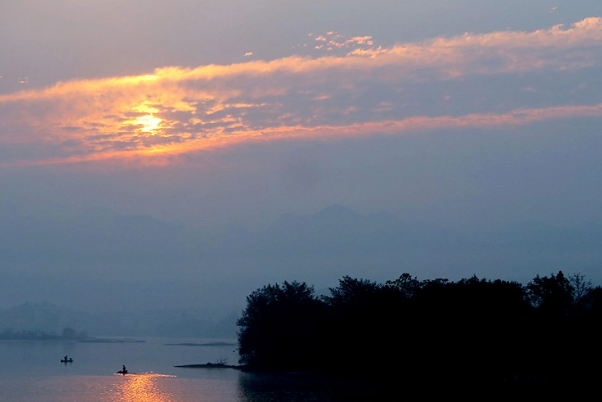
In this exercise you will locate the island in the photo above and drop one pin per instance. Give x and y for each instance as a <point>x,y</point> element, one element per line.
<point>201,344</point>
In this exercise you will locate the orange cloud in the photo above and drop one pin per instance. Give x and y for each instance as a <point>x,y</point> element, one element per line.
<point>177,110</point>
<point>388,127</point>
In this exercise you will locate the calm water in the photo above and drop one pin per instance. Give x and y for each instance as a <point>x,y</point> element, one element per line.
<point>31,371</point>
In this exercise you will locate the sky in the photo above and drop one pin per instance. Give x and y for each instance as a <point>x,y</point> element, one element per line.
<point>191,151</point>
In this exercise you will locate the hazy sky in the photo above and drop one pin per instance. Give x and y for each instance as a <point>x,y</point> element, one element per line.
<point>462,114</point>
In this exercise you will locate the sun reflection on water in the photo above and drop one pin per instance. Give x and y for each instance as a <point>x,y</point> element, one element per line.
<point>141,388</point>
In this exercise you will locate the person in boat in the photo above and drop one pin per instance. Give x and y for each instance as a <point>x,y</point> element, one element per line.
<point>124,370</point>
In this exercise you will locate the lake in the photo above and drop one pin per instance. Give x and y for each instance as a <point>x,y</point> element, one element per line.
<point>31,371</point>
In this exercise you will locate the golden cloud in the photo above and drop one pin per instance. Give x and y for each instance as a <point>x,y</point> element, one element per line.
<point>177,110</point>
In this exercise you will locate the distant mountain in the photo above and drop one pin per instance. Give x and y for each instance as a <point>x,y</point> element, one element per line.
<point>338,218</point>
<point>100,258</point>
<point>102,235</point>
<point>333,229</point>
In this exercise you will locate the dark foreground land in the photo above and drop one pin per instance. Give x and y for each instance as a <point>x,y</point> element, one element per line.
<point>302,386</point>
<point>375,384</point>
<point>430,336</point>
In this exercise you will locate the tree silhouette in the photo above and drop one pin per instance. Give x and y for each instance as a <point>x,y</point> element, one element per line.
<point>405,284</point>
<point>352,291</point>
<point>580,287</point>
<point>552,295</point>
<point>279,327</point>
<point>477,329</point>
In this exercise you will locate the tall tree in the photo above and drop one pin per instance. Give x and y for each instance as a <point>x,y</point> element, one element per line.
<point>581,288</point>
<point>552,295</point>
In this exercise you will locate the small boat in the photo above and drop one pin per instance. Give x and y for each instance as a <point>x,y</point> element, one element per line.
<point>69,360</point>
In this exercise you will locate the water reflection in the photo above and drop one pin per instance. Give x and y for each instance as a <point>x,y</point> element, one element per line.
<point>140,387</point>
<point>275,388</point>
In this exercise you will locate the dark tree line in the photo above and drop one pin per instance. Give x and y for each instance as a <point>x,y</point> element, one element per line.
<point>472,329</point>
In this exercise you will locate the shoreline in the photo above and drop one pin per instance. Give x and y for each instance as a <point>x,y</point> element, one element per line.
<point>213,366</point>
<point>209,344</point>
<point>78,340</point>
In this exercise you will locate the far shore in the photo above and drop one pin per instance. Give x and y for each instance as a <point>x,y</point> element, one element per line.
<point>111,340</point>
<point>213,366</point>
<point>54,338</point>
<point>201,344</point>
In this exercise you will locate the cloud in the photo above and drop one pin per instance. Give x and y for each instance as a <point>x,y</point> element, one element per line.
<point>370,89</point>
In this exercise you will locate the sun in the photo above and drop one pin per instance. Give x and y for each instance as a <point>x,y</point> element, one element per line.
<point>147,123</point>
<point>150,124</point>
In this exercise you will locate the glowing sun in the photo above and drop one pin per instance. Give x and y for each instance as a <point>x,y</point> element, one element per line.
<point>150,124</point>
